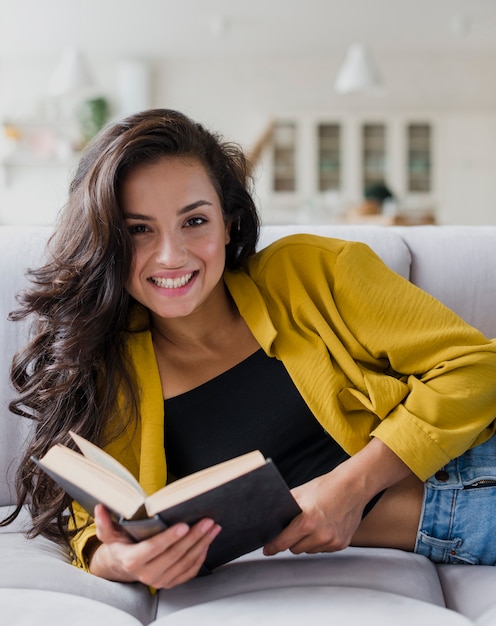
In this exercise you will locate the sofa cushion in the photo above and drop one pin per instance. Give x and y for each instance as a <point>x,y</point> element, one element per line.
<point>488,618</point>
<point>27,607</point>
<point>395,571</point>
<point>315,605</point>
<point>470,590</point>
<point>43,565</point>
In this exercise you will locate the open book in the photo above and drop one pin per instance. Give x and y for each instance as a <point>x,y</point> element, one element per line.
<point>246,495</point>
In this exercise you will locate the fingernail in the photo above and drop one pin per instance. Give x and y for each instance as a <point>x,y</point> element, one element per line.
<point>181,530</point>
<point>214,531</point>
<point>206,525</point>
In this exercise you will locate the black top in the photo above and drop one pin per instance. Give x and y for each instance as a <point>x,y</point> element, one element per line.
<point>254,405</point>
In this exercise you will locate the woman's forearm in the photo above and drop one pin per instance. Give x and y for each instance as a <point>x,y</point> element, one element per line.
<point>373,469</point>
<point>333,504</point>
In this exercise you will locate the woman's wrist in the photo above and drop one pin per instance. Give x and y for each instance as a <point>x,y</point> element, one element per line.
<point>373,469</point>
<point>102,565</point>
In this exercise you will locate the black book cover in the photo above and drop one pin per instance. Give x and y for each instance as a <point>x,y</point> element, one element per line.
<point>251,509</point>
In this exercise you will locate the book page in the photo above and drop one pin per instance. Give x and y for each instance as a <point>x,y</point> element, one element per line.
<point>89,483</point>
<point>102,458</point>
<point>201,481</point>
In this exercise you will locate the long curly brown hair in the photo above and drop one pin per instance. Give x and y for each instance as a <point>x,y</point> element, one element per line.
<point>69,375</point>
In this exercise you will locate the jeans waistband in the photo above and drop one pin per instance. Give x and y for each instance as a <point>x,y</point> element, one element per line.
<point>476,464</point>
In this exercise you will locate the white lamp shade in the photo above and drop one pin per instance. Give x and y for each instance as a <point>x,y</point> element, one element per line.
<point>358,72</point>
<point>70,75</point>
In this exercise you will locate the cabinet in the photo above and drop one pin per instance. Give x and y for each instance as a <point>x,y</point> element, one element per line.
<point>374,155</point>
<point>324,164</point>
<point>419,157</point>
<point>284,157</point>
<point>329,157</point>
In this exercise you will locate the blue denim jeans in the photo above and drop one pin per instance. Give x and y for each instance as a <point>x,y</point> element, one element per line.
<point>458,518</point>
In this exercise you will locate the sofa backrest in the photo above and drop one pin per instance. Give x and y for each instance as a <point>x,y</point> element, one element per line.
<point>456,264</point>
<point>384,241</point>
<point>20,248</point>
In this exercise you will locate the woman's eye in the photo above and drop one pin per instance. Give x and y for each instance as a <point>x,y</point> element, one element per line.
<point>195,221</point>
<point>138,229</point>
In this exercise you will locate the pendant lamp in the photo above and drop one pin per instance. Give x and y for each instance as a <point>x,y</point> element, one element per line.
<point>358,72</point>
<point>70,75</point>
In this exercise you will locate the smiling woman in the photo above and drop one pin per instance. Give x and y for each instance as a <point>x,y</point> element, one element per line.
<point>113,242</point>
<point>159,332</point>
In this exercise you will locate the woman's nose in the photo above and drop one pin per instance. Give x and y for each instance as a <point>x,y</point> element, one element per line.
<point>171,251</point>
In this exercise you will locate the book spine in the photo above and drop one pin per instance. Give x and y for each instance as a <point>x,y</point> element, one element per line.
<point>143,528</point>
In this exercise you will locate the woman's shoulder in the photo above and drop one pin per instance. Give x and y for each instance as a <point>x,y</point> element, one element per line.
<point>302,259</point>
<point>298,249</point>
<point>304,240</point>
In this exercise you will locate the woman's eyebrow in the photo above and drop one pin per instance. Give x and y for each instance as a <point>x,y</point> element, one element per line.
<point>138,216</point>
<point>193,206</point>
<point>187,209</point>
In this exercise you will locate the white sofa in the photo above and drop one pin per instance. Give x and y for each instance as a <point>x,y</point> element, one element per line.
<point>356,586</point>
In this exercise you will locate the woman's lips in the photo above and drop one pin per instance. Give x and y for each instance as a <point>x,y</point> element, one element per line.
<point>172,283</point>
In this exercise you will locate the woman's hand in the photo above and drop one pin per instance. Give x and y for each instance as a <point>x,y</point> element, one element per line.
<point>330,516</point>
<point>165,560</point>
<point>332,505</point>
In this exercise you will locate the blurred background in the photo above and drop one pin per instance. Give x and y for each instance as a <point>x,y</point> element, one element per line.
<point>378,111</point>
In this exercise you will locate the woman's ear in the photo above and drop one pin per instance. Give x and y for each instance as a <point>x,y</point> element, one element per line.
<point>227,237</point>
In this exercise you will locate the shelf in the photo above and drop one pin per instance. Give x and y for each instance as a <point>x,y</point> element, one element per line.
<point>36,144</point>
<point>34,161</point>
<point>30,163</point>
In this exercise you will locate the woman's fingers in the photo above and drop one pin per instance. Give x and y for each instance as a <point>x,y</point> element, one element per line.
<point>106,530</point>
<point>183,560</point>
<point>169,558</point>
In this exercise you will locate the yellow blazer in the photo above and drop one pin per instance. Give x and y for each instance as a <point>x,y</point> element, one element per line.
<point>370,353</point>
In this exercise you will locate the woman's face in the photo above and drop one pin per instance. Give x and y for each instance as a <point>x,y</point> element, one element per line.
<point>175,219</point>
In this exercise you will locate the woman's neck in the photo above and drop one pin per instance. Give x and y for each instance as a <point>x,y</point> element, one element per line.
<point>191,351</point>
<point>203,328</point>
<point>190,334</point>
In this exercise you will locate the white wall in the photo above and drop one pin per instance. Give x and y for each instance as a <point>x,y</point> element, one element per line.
<point>467,176</point>
<point>238,98</point>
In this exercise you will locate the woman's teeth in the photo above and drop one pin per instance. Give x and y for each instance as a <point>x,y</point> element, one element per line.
<point>172,283</point>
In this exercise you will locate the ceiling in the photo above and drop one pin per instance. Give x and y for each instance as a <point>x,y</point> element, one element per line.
<point>241,28</point>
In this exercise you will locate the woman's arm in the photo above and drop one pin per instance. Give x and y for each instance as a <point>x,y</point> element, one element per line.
<point>170,558</point>
<point>403,367</point>
<point>448,366</point>
<point>333,504</point>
